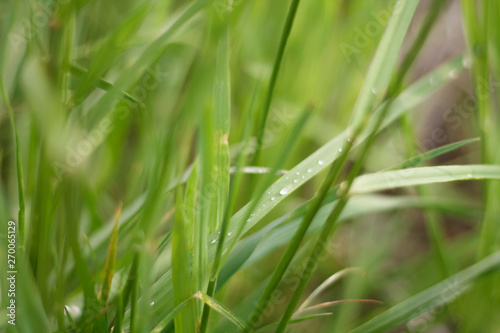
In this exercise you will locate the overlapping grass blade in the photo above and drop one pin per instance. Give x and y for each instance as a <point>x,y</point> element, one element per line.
<point>377,78</point>
<point>317,162</point>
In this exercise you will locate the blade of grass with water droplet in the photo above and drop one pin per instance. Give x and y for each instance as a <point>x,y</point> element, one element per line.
<point>317,162</point>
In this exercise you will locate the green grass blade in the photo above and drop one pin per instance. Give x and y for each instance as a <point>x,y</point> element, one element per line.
<point>287,28</point>
<point>222,105</point>
<point>182,280</point>
<point>294,320</point>
<point>217,306</point>
<point>150,55</point>
<point>383,61</point>
<point>110,261</point>
<point>435,296</point>
<point>416,160</point>
<point>420,176</point>
<point>19,170</point>
<point>328,282</point>
<point>109,51</point>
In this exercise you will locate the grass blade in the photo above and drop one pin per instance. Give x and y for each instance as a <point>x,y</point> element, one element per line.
<point>442,293</point>
<point>287,28</point>
<point>420,176</point>
<point>182,280</point>
<point>110,261</point>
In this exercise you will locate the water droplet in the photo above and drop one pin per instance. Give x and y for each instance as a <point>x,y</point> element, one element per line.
<point>349,140</point>
<point>286,178</point>
<point>218,232</point>
<point>432,80</point>
<point>268,192</point>
<point>453,74</point>
<point>303,177</point>
<point>215,240</point>
<point>284,191</point>
<point>469,175</point>
<point>295,181</point>
<point>298,173</point>
<point>309,170</point>
<point>152,303</point>
<point>248,220</point>
<point>340,150</point>
<point>273,198</point>
<point>466,62</point>
<point>253,214</point>
<point>320,162</point>
<point>230,233</point>
<point>374,91</point>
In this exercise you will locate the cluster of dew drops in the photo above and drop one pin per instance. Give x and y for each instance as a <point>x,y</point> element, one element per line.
<point>284,191</point>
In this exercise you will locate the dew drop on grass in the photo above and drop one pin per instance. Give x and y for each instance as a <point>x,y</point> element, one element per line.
<point>229,234</point>
<point>309,170</point>
<point>273,198</point>
<point>432,81</point>
<point>320,162</point>
<point>152,303</point>
<point>349,140</point>
<point>453,74</point>
<point>466,62</point>
<point>295,181</point>
<point>469,175</point>
<point>215,240</point>
<point>248,220</point>
<point>340,150</point>
<point>298,173</point>
<point>253,214</point>
<point>374,91</point>
<point>284,190</point>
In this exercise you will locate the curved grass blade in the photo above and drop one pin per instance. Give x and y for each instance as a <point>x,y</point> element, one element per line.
<point>420,176</point>
<point>327,283</point>
<point>328,304</point>
<point>294,320</point>
<point>442,293</point>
